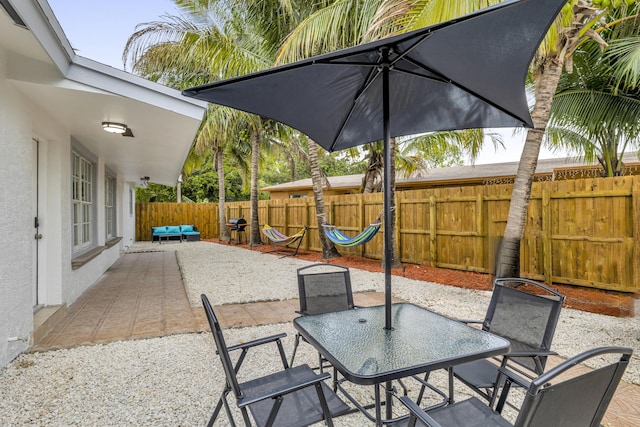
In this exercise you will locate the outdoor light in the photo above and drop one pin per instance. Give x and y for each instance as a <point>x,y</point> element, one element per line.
<point>114,127</point>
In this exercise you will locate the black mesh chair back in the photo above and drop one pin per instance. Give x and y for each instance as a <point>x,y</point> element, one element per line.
<point>562,397</point>
<point>579,401</point>
<point>324,288</point>
<point>291,397</point>
<point>221,347</point>
<point>526,313</point>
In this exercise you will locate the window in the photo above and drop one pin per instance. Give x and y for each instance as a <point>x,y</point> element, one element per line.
<point>82,196</point>
<point>130,201</point>
<point>109,205</point>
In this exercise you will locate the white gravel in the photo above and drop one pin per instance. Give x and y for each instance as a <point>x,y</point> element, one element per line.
<point>175,381</point>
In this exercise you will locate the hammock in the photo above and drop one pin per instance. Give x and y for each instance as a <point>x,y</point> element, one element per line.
<point>341,239</point>
<point>277,238</point>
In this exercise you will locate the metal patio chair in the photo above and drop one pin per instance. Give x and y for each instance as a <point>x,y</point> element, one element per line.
<point>550,400</point>
<point>291,397</point>
<point>323,288</point>
<point>526,313</point>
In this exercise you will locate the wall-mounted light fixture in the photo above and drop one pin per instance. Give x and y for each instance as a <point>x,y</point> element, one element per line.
<point>114,127</point>
<point>144,181</point>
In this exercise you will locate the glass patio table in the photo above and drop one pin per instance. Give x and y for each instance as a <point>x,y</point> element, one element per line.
<point>356,343</point>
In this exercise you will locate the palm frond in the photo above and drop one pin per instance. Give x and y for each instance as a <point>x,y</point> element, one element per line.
<point>341,24</point>
<point>626,54</point>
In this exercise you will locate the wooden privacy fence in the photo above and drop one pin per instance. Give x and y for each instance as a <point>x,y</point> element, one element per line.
<point>582,232</point>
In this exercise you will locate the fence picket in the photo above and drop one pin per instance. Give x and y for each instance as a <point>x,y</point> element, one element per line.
<point>584,232</point>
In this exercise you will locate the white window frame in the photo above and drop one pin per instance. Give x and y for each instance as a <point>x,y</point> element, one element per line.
<point>82,202</point>
<point>109,206</point>
<point>131,199</point>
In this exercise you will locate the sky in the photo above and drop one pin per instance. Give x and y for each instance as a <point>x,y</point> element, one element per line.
<point>99,30</point>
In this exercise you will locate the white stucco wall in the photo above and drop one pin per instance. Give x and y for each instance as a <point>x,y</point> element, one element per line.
<point>126,213</point>
<point>20,122</point>
<point>16,227</point>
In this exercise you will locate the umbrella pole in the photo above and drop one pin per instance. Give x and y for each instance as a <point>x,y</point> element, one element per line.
<point>388,251</point>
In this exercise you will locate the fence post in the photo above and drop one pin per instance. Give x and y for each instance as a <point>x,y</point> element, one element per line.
<point>479,240</point>
<point>329,213</point>
<point>547,255</point>
<point>267,216</point>
<point>361,214</point>
<point>399,196</point>
<point>308,222</point>
<point>215,222</point>
<point>432,232</point>
<point>635,203</point>
<point>286,217</point>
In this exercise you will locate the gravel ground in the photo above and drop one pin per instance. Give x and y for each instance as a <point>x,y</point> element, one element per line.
<point>174,381</point>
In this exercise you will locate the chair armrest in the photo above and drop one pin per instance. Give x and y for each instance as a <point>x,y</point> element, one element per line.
<point>257,342</point>
<point>509,378</point>
<point>416,411</point>
<point>287,388</point>
<point>514,377</point>
<point>467,321</point>
<point>530,353</point>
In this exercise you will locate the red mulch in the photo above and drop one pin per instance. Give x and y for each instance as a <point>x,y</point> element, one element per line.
<point>592,300</point>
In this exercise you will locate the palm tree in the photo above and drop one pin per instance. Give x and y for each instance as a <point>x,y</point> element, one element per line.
<point>625,51</point>
<point>214,40</point>
<point>416,154</point>
<point>344,23</point>
<point>339,24</point>
<point>328,248</point>
<point>254,222</point>
<point>573,27</point>
<point>220,126</point>
<point>577,22</point>
<point>592,114</point>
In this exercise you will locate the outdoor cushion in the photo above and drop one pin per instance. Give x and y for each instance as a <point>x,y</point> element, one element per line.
<point>173,229</point>
<point>159,230</point>
<point>186,228</point>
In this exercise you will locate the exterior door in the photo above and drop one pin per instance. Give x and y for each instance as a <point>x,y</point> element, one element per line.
<point>36,234</point>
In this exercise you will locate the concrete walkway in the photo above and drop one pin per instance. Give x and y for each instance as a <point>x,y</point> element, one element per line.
<point>142,296</point>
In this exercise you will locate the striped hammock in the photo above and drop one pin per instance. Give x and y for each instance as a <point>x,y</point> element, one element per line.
<point>278,238</point>
<point>341,239</point>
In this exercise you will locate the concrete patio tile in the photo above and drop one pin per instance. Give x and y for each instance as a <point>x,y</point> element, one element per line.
<point>143,296</point>
<point>262,314</point>
<point>233,316</point>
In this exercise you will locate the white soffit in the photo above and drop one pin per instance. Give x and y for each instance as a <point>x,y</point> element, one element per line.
<point>82,94</point>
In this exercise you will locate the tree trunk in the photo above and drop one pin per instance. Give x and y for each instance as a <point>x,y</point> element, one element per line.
<point>395,261</point>
<point>224,232</point>
<point>328,248</point>
<point>372,173</point>
<point>508,257</point>
<point>256,239</point>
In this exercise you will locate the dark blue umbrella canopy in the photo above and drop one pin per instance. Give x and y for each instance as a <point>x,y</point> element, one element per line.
<point>462,74</point>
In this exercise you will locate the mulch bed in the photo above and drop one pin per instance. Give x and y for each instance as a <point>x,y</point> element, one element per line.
<point>592,300</point>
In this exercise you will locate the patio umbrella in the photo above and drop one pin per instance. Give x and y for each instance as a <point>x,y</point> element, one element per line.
<point>461,74</point>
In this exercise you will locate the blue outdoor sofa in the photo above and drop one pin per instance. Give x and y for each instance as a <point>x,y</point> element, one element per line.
<point>189,233</point>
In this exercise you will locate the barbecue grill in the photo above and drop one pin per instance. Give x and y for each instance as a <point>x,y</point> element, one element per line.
<point>238,225</point>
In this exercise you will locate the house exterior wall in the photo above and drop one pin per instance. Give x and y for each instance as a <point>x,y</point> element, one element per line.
<point>16,319</point>
<point>22,122</point>
<point>126,213</point>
